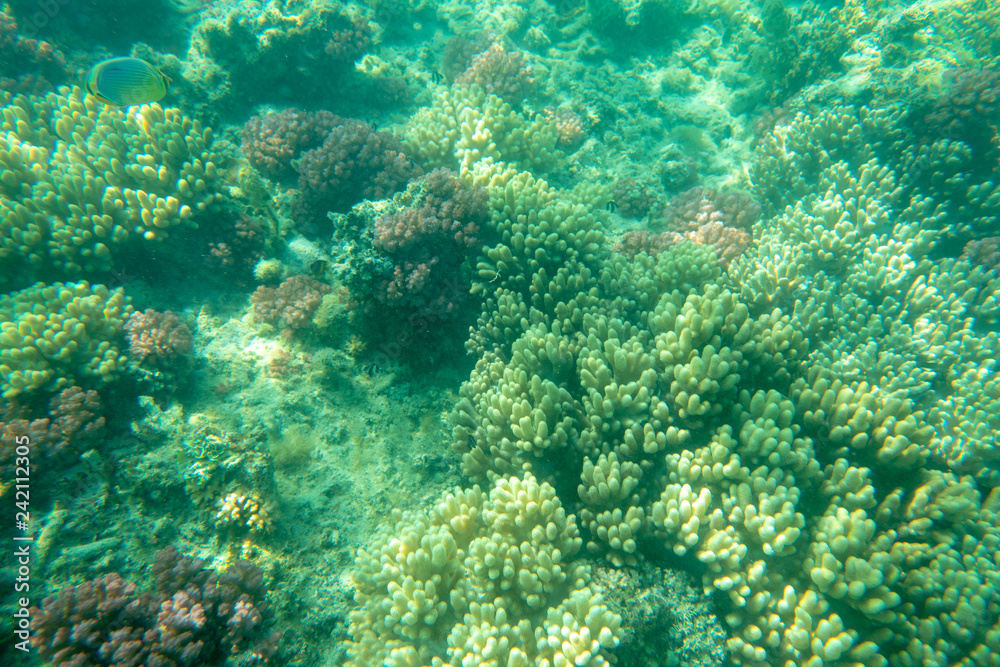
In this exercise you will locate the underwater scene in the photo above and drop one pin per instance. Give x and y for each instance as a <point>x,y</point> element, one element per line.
<point>499,333</point>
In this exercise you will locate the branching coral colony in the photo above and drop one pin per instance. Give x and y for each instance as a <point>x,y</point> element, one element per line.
<point>775,421</point>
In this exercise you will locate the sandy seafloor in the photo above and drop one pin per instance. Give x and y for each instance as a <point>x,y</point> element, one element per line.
<point>845,361</point>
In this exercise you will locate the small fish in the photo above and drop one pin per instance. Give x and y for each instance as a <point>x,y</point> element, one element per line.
<point>611,206</point>
<point>318,267</point>
<point>123,82</point>
<point>436,77</point>
<point>371,370</point>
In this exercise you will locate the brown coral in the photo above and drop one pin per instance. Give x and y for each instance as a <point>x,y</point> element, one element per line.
<point>272,141</point>
<point>451,215</point>
<point>158,339</point>
<point>722,220</point>
<point>969,112</point>
<point>693,208</point>
<point>632,243</point>
<point>355,162</point>
<point>73,424</point>
<point>196,616</point>
<point>984,252</point>
<point>569,126</point>
<point>350,42</point>
<point>27,65</point>
<point>634,198</point>
<point>503,72</point>
<point>290,306</point>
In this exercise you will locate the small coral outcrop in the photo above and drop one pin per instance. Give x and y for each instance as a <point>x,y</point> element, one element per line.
<point>291,305</point>
<point>413,288</point>
<point>501,71</point>
<point>160,346</point>
<point>27,65</point>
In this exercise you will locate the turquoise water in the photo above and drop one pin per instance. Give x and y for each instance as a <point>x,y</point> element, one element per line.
<point>499,332</point>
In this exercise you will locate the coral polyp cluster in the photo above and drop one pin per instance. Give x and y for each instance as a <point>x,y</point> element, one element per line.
<point>242,512</point>
<point>354,162</point>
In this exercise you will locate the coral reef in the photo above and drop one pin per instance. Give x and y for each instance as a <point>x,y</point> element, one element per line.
<point>159,339</point>
<point>499,18</point>
<point>793,46</point>
<point>193,616</point>
<point>570,131</point>
<point>247,52</point>
<point>268,271</point>
<point>82,178</point>
<point>73,424</point>
<point>782,381</point>
<point>634,198</point>
<point>160,348</point>
<point>775,423</point>
<point>549,244</point>
<point>706,217</point>
<point>968,113</point>
<point>354,162</point>
<point>465,127</point>
<point>422,298</point>
<point>350,41</point>
<point>668,620</point>
<point>449,216</point>
<point>632,243</point>
<point>500,71</point>
<point>692,209</point>
<point>459,51</point>
<point>54,336</point>
<point>984,252</point>
<point>235,250</point>
<point>966,200</point>
<point>407,265</point>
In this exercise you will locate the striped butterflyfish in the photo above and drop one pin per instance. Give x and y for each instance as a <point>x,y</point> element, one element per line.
<point>126,81</point>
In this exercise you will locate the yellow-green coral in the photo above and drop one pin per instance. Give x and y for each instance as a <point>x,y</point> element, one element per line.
<point>80,178</point>
<point>481,580</point>
<point>775,422</point>
<point>465,126</point>
<point>539,234</point>
<point>53,336</point>
<point>242,511</point>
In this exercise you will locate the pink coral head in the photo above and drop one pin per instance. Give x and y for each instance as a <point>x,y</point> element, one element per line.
<point>503,72</point>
